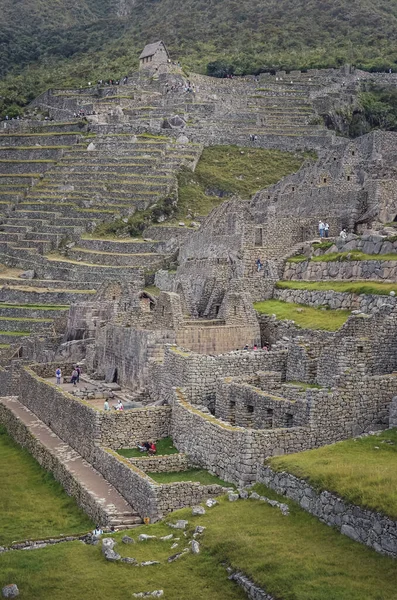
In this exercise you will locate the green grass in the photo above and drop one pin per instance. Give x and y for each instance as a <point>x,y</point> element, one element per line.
<point>304,316</point>
<point>305,386</point>
<point>362,471</point>
<point>153,290</point>
<point>35,306</point>
<point>293,558</point>
<point>298,258</point>
<point>227,170</point>
<point>351,287</point>
<point>165,447</point>
<point>352,255</point>
<point>200,475</point>
<point>15,333</point>
<point>33,504</point>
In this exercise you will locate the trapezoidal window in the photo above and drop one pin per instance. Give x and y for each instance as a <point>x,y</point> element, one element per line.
<point>325,180</point>
<point>268,423</point>
<point>289,420</point>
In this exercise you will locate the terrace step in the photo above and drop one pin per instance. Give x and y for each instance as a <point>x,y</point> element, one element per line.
<point>104,496</point>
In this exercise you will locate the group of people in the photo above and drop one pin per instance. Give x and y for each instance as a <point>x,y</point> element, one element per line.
<point>149,447</point>
<point>75,377</point>
<point>265,347</point>
<point>253,138</point>
<point>323,229</point>
<point>119,406</point>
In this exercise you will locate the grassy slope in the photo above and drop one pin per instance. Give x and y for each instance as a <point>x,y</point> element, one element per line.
<point>304,316</point>
<point>352,287</point>
<point>221,171</point>
<point>294,558</point>
<point>363,471</point>
<point>227,170</point>
<point>33,504</point>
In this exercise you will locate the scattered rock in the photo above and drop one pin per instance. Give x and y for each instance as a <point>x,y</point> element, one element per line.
<point>195,547</point>
<point>179,524</point>
<point>199,529</point>
<point>130,561</point>
<point>143,537</point>
<point>28,274</point>
<point>233,497</point>
<point>111,555</point>
<point>254,496</point>
<point>174,557</point>
<point>174,546</point>
<point>211,502</point>
<point>243,494</point>
<point>165,538</point>
<point>198,510</point>
<point>10,591</point>
<point>149,563</point>
<point>108,544</point>
<point>155,594</point>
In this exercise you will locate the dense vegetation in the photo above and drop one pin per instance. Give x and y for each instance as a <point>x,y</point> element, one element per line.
<point>59,43</point>
<point>294,558</point>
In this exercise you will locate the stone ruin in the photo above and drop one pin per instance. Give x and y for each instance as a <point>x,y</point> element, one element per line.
<point>176,356</point>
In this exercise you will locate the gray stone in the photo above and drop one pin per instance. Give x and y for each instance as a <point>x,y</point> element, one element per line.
<point>10,591</point>
<point>198,510</point>
<point>211,502</point>
<point>143,537</point>
<point>233,497</point>
<point>126,539</point>
<point>195,547</point>
<point>165,538</point>
<point>149,563</point>
<point>129,560</point>
<point>350,532</point>
<point>108,544</point>
<point>111,555</point>
<point>30,274</point>
<point>181,524</point>
<point>199,529</point>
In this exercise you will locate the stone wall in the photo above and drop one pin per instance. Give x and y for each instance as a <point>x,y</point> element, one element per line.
<point>377,270</point>
<point>125,429</point>
<point>217,338</point>
<point>149,498</point>
<point>162,464</point>
<point>335,300</point>
<point>365,526</point>
<point>198,373</point>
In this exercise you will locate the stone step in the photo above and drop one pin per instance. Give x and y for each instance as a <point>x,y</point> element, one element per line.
<point>105,499</point>
<point>42,139</point>
<point>17,293</point>
<point>33,312</point>
<point>23,324</point>
<point>122,246</point>
<point>15,337</point>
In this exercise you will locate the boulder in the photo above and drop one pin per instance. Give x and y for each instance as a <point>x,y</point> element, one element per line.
<point>233,497</point>
<point>108,544</point>
<point>111,555</point>
<point>179,524</point>
<point>211,502</point>
<point>195,547</point>
<point>10,591</point>
<point>199,529</point>
<point>143,537</point>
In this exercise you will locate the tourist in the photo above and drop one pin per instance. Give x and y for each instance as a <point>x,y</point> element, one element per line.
<point>246,347</point>
<point>58,375</point>
<point>255,347</point>
<point>321,229</point>
<point>152,448</point>
<point>326,229</point>
<point>74,377</point>
<point>106,405</point>
<point>258,264</point>
<point>78,373</point>
<point>343,234</point>
<point>119,405</point>
<point>97,531</point>
<point>141,447</point>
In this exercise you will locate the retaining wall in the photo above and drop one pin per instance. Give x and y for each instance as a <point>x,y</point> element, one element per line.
<point>365,526</point>
<point>335,300</point>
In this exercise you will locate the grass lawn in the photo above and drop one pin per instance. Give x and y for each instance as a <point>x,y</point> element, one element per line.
<point>362,471</point>
<point>352,287</point>
<point>200,475</point>
<point>306,317</point>
<point>293,558</point>
<point>164,447</point>
<point>33,505</point>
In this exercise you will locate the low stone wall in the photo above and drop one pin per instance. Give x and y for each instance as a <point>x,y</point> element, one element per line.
<point>52,463</point>
<point>370,528</point>
<point>350,269</point>
<point>335,300</point>
<point>273,330</point>
<point>162,464</point>
<point>149,498</point>
<point>125,429</point>
<point>45,370</point>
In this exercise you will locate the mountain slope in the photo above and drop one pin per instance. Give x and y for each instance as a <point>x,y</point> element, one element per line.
<point>67,42</point>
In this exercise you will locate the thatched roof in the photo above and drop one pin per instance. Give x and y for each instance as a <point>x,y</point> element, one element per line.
<point>151,49</point>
